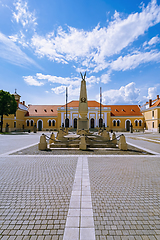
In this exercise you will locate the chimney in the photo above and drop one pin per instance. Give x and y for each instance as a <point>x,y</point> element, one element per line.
<point>23,102</point>
<point>150,102</point>
<point>157,97</point>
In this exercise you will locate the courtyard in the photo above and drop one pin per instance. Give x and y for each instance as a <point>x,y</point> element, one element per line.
<point>79,197</point>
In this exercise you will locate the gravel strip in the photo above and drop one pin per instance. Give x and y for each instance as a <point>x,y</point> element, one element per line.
<point>34,151</point>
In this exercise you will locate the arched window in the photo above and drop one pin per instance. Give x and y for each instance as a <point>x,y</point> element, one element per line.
<point>114,123</point>
<point>136,123</point>
<point>140,123</point>
<point>31,123</point>
<point>27,123</point>
<point>92,122</point>
<point>53,123</point>
<point>118,123</point>
<point>75,123</point>
<point>49,123</point>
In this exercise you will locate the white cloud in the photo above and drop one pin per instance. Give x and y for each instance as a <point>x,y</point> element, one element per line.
<point>154,40</point>
<point>59,90</point>
<point>32,81</point>
<point>13,54</point>
<point>105,78</point>
<point>92,48</point>
<point>125,95</point>
<point>131,61</point>
<point>20,38</point>
<point>23,15</point>
<point>152,92</point>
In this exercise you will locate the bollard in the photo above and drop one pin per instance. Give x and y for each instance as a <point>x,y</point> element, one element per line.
<point>114,140</point>
<point>60,135</point>
<point>42,144</point>
<point>82,144</point>
<point>52,138</point>
<point>105,135</point>
<point>122,143</point>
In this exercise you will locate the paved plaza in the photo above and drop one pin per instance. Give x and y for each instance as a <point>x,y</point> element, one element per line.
<point>79,197</point>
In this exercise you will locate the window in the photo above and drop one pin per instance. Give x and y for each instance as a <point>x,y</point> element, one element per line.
<point>27,123</point>
<point>140,123</point>
<point>49,123</point>
<point>152,113</point>
<point>53,123</point>
<point>14,124</point>
<point>35,110</point>
<point>152,124</point>
<point>114,123</point>
<point>136,123</point>
<point>31,123</point>
<point>118,123</point>
<point>51,110</point>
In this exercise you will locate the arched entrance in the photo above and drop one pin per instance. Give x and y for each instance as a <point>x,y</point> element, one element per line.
<point>75,123</point>
<point>127,125</point>
<point>101,122</point>
<point>40,125</point>
<point>67,122</point>
<point>92,122</point>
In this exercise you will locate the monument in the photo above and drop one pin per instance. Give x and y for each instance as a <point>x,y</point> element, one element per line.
<point>84,139</point>
<point>83,122</point>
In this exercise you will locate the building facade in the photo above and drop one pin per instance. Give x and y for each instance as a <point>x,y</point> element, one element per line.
<point>113,117</point>
<point>151,113</point>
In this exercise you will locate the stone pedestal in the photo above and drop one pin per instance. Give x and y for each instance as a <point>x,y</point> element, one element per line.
<point>105,135</point>
<point>122,143</point>
<point>82,144</point>
<point>42,144</point>
<point>114,140</point>
<point>52,138</point>
<point>83,123</point>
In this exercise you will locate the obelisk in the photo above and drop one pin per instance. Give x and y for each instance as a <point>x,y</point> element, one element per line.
<point>83,122</point>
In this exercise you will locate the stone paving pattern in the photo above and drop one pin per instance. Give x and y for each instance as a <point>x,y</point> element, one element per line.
<point>35,196</point>
<point>115,151</point>
<point>125,197</point>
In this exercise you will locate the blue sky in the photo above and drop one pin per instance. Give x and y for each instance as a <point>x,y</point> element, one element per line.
<point>44,45</point>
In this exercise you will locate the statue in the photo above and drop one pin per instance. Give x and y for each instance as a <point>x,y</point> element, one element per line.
<point>83,77</point>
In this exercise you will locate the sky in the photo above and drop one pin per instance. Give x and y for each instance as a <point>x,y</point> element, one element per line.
<point>45,44</point>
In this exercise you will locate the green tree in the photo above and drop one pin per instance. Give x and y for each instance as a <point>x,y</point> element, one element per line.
<point>8,105</point>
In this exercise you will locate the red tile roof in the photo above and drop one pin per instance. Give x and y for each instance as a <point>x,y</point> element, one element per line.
<point>91,103</point>
<point>125,110</point>
<point>116,110</point>
<point>156,103</point>
<point>42,110</point>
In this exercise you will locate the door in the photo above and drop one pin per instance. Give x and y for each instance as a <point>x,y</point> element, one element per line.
<point>39,125</point>
<point>127,125</point>
<point>75,123</point>
<point>92,122</point>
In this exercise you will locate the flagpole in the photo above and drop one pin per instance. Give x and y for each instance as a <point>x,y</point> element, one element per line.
<point>66,125</point>
<point>100,107</point>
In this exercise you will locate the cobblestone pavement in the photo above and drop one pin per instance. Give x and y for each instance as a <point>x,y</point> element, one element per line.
<point>35,196</point>
<point>42,197</point>
<point>125,197</point>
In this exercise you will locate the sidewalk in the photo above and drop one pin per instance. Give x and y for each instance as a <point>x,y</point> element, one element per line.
<point>78,197</point>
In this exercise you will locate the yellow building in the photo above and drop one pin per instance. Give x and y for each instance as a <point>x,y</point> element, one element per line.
<point>114,117</point>
<point>151,112</point>
<point>17,120</point>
